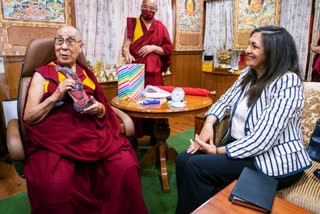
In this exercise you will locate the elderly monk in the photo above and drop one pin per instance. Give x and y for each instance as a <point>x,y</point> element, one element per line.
<point>147,41</point>
<point>77,160</point>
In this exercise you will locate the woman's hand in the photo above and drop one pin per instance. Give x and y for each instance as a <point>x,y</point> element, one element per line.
<point>207,133</point>
<point>205,147</point>
<point>95,109</point>
<point>194,147</point>
<point>199,144</point>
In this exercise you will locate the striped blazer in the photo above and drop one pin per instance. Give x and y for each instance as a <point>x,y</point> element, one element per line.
<point>272,127</point>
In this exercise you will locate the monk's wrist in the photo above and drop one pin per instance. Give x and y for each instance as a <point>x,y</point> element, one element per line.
<point>102,111</point>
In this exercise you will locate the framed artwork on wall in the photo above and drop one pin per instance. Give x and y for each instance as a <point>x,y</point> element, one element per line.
<point>189,21</point>
<point>250,14</point>
<point>23,20</point>
<point>34,11</point>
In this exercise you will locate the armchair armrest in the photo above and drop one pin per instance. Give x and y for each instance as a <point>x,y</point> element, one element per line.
<point>221,128</point>
<point>127,126</point>
<point>14,142</point>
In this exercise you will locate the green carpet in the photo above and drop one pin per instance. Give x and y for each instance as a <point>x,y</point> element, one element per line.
<point>15,204</point>
<point>156,200</point>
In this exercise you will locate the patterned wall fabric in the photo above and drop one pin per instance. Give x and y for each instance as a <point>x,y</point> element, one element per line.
<point>295,17</point>
<point>219,27</point>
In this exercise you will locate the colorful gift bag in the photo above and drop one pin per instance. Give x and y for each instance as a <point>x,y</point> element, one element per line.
<point>130,81</point>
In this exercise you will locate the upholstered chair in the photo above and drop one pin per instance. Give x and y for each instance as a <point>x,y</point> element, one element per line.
<point>306,192</point>
<point>40,52</point>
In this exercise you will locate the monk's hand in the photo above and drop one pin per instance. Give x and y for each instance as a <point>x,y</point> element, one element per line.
<point>314,46</point>
<point>145,50</point>
<point>316,49</point>
<point>129,58</point>
<point>205,147</point>
<point>62,88</point>
<point>95,108</point>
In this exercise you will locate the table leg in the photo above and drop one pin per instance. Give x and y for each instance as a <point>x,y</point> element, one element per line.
<point>160,151</point>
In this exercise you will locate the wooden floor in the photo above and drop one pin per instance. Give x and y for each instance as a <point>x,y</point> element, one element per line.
<point>11,182</point>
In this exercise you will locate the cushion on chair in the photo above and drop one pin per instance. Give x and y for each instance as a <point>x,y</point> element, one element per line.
<point>311,110</point>
<point>306,192</point>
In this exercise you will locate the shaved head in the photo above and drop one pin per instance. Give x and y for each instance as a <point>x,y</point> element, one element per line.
<point>154,2</point>
<point>68,45</point>
<point>70,30</point>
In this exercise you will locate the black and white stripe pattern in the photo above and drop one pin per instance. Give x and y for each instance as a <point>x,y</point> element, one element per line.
<point>272,128</point>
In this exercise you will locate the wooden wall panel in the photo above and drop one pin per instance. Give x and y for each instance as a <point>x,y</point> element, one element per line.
<point>9,82</point>
<point>219,81</point>
<point>110,90</point>
<point>13,67</point>
<point>186,67</point>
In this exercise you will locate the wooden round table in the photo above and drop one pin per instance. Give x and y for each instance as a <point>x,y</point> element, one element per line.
<point>161,130</point>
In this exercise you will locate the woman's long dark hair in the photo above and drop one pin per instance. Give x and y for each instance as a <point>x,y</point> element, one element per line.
<point>280,57</point>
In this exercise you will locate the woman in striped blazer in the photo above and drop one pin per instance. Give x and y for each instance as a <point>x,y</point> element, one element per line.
<point>264,134</point>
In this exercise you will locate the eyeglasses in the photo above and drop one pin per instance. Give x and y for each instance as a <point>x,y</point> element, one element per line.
<point>69,41</point>
<point>146,7</point>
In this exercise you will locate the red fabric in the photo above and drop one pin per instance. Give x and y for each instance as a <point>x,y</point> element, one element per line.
<point>158,35</point>
<point>315,75</point>
<point>91,138</point>
<point>59,185</point>
<point>79,163</point>
<point>131,24</point>
<point>316,69</point>
<point>188,90</point>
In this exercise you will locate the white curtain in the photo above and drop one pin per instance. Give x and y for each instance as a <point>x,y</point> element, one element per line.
<point>295,17</point>
<point>219,27</point>
<point>316,27</point>
<point>102,24</point>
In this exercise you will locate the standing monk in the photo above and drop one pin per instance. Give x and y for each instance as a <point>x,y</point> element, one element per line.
<point>77,160</point>
<point>147,41</point>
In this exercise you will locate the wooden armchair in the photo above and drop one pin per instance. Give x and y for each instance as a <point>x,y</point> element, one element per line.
<point>306,192</point>
<point>40,52</point>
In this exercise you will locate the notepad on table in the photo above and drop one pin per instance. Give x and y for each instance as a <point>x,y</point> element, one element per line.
<point>254,190</point>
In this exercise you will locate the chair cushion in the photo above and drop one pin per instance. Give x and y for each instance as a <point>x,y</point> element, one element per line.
<point>311,110</point>
<point>306,192</point>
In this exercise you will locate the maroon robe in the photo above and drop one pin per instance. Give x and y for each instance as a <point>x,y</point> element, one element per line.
<point>315,75</point>
<point>158,35</point>
<point>79,163</point>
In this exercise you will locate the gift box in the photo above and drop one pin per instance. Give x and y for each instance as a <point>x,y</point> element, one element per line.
<point>130,81</point>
